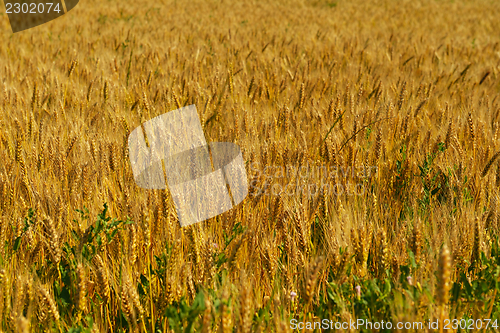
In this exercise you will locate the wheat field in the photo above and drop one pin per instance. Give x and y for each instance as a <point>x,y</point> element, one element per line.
<point>316,93</point>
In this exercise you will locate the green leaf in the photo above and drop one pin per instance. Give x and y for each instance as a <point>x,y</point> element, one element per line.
<point>17,243</point>
<point>413,263</point>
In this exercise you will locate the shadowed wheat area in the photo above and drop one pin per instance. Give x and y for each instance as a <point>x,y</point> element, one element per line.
<point>315,93</point>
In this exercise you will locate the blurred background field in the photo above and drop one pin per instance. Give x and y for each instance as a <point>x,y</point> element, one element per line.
<point>409,89</point>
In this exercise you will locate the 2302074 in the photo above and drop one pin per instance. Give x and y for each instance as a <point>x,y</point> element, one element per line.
<point>32,8</point>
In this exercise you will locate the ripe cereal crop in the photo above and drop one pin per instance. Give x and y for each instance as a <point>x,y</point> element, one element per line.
<point>370,134</point>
